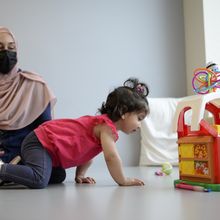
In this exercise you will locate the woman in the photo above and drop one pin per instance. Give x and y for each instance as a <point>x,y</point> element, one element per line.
<point>25,103</point>
<point>25,100</point>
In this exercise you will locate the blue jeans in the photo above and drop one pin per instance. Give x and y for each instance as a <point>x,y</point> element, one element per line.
<point>37,169</point>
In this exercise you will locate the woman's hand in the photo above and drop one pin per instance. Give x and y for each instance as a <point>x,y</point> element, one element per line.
<point>81,179</point>
<point>2,152</point>
<point>132,182</point>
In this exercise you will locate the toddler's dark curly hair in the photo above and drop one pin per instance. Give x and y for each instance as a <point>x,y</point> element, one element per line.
<point>131,97</point>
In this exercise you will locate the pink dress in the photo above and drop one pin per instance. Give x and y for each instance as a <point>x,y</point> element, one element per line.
<point>71,142</point>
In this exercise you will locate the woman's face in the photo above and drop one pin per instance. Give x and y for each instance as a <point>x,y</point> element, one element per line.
<point>7,42</point>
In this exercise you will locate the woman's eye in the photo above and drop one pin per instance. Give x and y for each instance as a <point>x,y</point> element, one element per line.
<point>12,47</point>
<point>9,47</point>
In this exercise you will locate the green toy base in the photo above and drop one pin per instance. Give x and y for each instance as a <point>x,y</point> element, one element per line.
<point>211,186</point>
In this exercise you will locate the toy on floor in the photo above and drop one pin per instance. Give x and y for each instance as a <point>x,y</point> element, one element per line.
<point>206,80</point>
<point>166,169</point>
<point>199,142</point>
<point>191,187</point>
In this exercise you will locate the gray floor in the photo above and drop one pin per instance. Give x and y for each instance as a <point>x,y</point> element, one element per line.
<point>104,201</point>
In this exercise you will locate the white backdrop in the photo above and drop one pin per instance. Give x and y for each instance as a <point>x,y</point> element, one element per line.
<point>84,48</point>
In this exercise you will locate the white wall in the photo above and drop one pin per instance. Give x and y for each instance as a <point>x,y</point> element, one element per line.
<point>201,35</point>
<point>84,48</point>
<point>194,39</point>
<point>212,30</point>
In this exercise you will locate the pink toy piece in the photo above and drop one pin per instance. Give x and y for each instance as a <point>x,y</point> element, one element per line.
<point>159,173</point>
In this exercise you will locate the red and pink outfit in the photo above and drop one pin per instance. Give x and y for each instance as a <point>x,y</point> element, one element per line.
<point>61,143</point>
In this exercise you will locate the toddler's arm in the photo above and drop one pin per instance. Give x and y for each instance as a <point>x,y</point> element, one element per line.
<point>80,174</point>
<point>113,159</point>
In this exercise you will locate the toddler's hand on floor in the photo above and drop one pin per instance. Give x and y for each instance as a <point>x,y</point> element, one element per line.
<point>88,180</point>
<point>133,182</point>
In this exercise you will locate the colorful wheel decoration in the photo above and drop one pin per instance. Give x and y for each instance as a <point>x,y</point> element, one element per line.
<point>205,81</point>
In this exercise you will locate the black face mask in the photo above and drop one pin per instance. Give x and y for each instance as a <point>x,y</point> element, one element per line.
<point>8,59</point>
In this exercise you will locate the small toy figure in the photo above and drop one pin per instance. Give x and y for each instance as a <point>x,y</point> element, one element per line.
<point>213,66</point>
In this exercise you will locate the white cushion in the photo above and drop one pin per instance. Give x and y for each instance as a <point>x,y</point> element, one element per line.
<point>158,140</point>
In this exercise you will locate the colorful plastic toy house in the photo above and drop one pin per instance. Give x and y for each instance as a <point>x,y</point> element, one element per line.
<point>199,141</point>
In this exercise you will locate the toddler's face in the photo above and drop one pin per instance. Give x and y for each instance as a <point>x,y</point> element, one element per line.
<point>131,121</point>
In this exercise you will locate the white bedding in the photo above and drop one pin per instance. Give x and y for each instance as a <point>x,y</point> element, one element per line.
<point>158,140</point>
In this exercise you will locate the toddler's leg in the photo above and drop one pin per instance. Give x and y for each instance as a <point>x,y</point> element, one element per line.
<point>36,171</point>
<point>58,175</point>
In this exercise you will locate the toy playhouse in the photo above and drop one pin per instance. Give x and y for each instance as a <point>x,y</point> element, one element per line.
<point>199,141</point>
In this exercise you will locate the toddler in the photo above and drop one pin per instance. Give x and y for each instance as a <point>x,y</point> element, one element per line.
<point>65,143</point>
